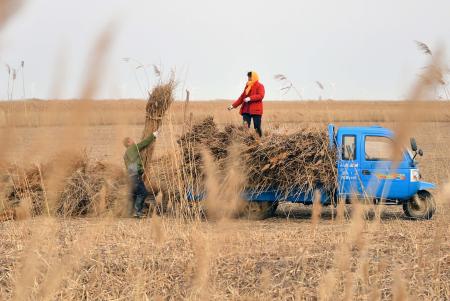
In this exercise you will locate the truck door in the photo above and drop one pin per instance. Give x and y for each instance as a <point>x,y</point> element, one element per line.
<point>379,179</point>
<point>348,165</point>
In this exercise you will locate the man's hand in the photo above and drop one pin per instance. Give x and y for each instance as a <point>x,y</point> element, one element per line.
<point>247,99</point>
<point>230,108</point>
<point>156,134</point>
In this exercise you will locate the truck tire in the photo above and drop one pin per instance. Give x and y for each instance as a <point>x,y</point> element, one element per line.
<point>421,206</point>
<point>259,210</point>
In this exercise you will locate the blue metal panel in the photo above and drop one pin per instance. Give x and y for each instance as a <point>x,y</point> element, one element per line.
<point>349,182</point>
<point>379,179</point>
<point>195,197</point>
<point>426,185</point>
<point>293,197</point>
<point>386,179</point>
<point>273,196</point>
<point>385,182</point>
<point>308,198</point>
<point>265,196</point>
<point>331,136</point>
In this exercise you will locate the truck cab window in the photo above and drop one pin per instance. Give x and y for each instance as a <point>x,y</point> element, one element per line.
<point>378,148</point>
<point>348,147</point>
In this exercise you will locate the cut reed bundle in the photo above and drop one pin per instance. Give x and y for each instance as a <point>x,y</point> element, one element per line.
<point>159,101</point>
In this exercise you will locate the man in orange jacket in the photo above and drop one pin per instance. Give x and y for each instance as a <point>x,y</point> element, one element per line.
<point>251,102</point>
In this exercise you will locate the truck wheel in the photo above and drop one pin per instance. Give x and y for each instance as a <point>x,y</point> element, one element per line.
<point>259,210</point>
<point>421,206</point>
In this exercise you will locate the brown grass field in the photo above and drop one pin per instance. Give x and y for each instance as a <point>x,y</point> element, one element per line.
<point>300,254</point>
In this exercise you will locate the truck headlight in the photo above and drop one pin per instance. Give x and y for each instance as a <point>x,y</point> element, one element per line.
<point>415,175</point>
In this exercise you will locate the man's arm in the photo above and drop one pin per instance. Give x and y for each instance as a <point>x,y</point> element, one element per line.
<point>146,142</point>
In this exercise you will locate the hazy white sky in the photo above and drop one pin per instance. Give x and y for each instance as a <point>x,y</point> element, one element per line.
<point>359,49</point>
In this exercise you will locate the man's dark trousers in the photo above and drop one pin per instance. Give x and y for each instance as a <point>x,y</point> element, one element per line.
<point>139,193</point>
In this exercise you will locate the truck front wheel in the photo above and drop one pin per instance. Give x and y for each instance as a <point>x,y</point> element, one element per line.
<point>421,206</point>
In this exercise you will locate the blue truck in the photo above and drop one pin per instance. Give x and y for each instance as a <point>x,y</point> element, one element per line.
<point>365,172</point>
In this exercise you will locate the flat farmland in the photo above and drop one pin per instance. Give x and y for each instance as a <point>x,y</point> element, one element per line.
<point>295,255</point>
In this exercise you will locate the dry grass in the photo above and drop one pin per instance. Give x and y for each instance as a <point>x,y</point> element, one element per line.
<point>90,188</point>
<point>127,261</point>
<point>8,8</point>
<point>55,113</point>
<point>300,254</point>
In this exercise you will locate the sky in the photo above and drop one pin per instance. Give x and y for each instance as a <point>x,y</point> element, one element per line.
<point>357,49</point>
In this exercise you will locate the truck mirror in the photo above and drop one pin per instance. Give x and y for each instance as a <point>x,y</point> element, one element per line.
<point>413,144</point>
<point>420,152</point>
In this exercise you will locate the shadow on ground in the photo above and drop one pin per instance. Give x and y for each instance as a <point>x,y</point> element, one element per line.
<point>302,212</point>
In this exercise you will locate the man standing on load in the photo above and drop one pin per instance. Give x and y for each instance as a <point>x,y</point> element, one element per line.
<point>251,102</point>
<point>135,169</point>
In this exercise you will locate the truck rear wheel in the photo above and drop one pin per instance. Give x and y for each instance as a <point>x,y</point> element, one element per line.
<point>421,206</point>
<point>259,210</point>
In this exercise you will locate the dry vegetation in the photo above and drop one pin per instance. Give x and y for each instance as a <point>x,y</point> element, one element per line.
<point>90,188</point>
<point>345,253</point>
<point>295,163</point>
<point>125,112</point>
<point>341,253</point>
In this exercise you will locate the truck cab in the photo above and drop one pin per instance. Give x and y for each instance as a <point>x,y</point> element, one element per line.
<point>366,170</point>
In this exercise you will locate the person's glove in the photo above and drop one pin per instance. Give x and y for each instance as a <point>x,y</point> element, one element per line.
<point>156,134</point>
<point>230,108</point>
<point>247,99</point>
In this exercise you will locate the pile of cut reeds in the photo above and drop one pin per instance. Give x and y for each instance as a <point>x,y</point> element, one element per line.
<point>290,163</point>
<point>90,188</point>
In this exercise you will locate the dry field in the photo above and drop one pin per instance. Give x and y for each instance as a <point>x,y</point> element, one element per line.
<point>300,254</point>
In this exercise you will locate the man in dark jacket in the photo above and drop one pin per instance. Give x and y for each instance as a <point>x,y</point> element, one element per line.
<point>135,169</point>
<point>251,102</point>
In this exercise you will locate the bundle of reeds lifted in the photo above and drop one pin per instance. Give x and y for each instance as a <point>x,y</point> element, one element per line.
<point>90,187</point>
<point>293,163</point>
<point>159,101</point>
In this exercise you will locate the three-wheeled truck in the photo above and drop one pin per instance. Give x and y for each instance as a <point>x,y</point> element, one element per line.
<point>365,171</point>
